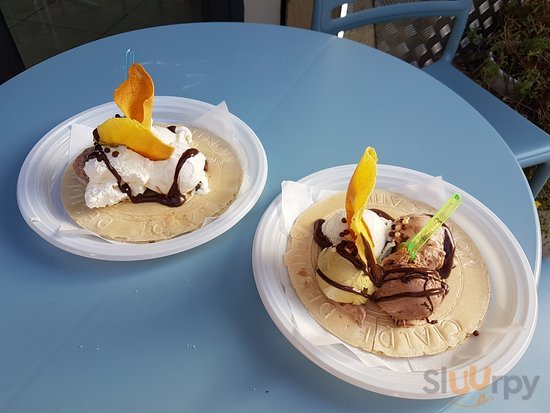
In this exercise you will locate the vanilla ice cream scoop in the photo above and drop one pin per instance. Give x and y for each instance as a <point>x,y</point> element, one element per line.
<point>338,266</point>
<point>332,265</point>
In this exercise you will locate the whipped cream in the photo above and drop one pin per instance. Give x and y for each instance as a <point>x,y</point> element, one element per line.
<point>141,173</point>
<point>335,229</point>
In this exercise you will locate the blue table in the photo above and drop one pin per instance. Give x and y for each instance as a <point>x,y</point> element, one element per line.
<point>188,332</point>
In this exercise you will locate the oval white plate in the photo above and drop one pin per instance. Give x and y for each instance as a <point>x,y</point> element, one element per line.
<point>39,180</point>
<point>510,276</point>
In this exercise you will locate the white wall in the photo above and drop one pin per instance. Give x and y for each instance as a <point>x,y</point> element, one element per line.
<point>262,11</point>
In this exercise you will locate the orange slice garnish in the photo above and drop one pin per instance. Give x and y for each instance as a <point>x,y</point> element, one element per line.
<point>126,131</point>
<point>360,187</point>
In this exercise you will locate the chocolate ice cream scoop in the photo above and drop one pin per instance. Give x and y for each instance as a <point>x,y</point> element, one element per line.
<point>428,257</point>
<point>431,255</point>
<point>413,290</point>
<point>410,294</point>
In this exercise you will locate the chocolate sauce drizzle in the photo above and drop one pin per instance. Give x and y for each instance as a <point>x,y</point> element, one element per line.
<point>348,250</point>
<point>379,276</point>
<point>449,248</point>
<point>320,238</point>
<point>343,287</point>
<point>406,275</point>
<point>174,198</point>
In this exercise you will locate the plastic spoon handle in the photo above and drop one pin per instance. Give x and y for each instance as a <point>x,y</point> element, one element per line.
<point>130,56</point>
<point>415,243</point>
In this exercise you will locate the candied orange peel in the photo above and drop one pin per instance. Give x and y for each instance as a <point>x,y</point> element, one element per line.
<point>128,132</point>
<point>359,189</point>
<point>135,98</point>
<point>135,95</point>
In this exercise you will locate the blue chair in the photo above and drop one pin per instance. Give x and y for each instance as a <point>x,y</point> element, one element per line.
<point>529,143</point>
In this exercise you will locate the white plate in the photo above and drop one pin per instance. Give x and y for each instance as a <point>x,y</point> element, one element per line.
<point>38,186</point>
<point>511,280</point>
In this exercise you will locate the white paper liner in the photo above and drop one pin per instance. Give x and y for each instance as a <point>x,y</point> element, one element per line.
<point>217,121</point>
<point>296,198</point>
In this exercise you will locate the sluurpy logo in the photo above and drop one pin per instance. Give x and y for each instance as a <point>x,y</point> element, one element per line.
<point>471,379</point>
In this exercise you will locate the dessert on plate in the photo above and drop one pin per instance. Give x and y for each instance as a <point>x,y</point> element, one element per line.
<point>347,262</point>
<point>141,181</point>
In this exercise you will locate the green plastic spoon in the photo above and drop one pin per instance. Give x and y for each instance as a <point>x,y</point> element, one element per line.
<point>414,244</point>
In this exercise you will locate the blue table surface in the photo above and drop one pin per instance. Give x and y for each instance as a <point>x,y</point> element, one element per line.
<point>188,332</point>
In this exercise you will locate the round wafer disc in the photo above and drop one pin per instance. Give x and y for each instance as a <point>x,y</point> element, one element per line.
<point>150,222</point>
<point>458,317</point>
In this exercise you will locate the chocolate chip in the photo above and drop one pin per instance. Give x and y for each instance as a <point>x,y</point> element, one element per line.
<point>344,233</point>
<point>95,134</point>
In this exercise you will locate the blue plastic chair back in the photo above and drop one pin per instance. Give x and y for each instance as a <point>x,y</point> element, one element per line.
<point>324,22</point>
<point>529,143</point>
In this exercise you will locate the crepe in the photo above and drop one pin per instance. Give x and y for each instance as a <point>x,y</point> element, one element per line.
<point>459,315</point>
<point>150,222</point>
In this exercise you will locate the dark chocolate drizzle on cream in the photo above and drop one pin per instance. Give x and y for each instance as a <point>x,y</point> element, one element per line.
<point>174,197</point>
<point>348,250</point>
<point>406,275</point>
<point>320,238</point>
